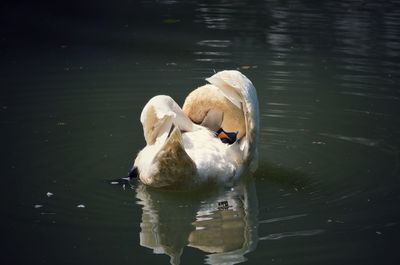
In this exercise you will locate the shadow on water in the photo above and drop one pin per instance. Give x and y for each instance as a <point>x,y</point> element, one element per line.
<point>223,224</point>
<point>289,178</point>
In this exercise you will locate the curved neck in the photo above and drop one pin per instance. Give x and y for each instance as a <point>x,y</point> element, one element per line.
<point>241,92</point>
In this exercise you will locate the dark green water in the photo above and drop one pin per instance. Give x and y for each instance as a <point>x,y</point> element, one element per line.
<point>75,76</point>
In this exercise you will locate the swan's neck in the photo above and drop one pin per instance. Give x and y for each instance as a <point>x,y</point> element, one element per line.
<point>241,92</point>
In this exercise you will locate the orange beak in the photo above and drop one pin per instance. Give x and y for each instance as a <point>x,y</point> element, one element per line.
<point>227,137</point>
<point>222,135</point>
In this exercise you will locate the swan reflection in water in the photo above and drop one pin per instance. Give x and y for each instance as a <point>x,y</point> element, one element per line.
<point>223,225</point>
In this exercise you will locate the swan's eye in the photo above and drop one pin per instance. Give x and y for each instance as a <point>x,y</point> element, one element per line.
<point>227,137</point>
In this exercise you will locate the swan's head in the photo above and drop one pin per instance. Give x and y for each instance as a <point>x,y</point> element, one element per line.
<point>229,102</point>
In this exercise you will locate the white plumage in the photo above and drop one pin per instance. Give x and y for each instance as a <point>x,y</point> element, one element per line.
<point>181,154</point>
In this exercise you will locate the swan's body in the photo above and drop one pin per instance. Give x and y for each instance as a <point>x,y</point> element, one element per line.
<point>182,148</point>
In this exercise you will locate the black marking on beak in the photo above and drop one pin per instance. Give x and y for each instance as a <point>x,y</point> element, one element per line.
<point>227,137</point>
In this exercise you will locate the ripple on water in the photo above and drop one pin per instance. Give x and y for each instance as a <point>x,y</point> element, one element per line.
<point>303,233</point>
<point>284,218</point>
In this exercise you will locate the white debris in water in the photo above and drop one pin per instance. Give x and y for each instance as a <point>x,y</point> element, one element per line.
<point>38,206</point>
<point>80,206</point>
<point>49,194</point>
<point>378,233</point>
<point>114,182</point>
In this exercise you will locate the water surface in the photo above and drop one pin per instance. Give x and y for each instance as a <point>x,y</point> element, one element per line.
<point>74,79</point>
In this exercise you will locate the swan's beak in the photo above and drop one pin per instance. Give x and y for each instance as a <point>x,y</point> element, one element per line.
<point>227,137</point>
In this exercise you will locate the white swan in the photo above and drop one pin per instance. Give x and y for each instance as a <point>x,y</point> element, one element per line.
<point>182,147</point>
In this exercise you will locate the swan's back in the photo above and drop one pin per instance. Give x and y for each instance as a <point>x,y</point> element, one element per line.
<point>214,160</point>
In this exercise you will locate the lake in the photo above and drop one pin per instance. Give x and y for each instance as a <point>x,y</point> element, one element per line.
<point>75,77</point>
